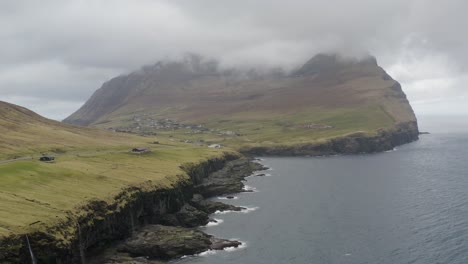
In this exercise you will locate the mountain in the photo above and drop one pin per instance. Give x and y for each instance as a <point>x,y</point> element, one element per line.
<point>328,97</point>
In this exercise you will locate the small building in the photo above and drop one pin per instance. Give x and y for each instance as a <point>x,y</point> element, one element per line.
<point>47,158</point>
<point>140,150</point>
<point>214,146</point>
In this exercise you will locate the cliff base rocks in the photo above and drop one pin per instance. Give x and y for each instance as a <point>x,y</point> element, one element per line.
<point>175,235</point>
<point>167,242</point>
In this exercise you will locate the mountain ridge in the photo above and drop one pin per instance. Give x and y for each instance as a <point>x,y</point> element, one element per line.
<point>346,95</point>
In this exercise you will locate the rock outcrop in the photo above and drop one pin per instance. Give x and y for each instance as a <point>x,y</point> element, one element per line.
<point>166,242</point>
<point>229,179</point>
<point>210,207</point>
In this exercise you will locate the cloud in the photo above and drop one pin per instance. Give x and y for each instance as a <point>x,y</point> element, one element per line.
<point>59,52</point>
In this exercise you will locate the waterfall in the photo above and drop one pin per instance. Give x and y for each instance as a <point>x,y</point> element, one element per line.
<point>33,258</point>
<point>81,246</point>
<point>132,223</point>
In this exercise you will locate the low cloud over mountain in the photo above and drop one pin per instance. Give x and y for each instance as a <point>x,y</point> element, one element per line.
<point>56,53</point>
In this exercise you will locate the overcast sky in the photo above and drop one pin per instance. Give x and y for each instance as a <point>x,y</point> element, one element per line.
<point>54,54</point>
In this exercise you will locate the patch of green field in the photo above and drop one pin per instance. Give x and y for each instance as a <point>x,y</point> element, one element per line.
<point>35,194</point>
<point>263,128</point>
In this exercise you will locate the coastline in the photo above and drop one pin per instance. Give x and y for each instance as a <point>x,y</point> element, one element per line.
<point>103,224</point>
<point>78,238</point>
<point>356,143</point>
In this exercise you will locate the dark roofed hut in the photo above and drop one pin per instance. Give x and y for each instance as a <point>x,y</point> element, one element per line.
<point>140,150</point>
<point>47,158</point>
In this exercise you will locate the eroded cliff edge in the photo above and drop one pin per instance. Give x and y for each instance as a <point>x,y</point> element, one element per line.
<point>77,238</point>
<point>101,223</point>
<point>357,143</point>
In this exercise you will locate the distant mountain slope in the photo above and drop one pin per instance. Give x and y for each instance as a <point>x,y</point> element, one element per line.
<point>327,97</point>
<point>25,132</point>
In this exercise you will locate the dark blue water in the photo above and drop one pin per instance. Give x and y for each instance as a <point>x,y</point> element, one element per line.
<point>404,206</point>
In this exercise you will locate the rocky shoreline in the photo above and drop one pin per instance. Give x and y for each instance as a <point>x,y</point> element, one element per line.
<point>176,235</point>
<point>138,215</point>
<point>357,143</point>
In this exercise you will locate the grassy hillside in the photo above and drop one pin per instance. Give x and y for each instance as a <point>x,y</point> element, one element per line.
<point>34,195</point>
<point>25,133</point>
<point>91,164</point>
<point>327,97</point>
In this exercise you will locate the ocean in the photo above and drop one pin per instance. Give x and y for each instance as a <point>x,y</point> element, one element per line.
<point>409,205</point>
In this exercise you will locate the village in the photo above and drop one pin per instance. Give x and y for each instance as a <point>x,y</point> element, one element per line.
<point>145,124</point>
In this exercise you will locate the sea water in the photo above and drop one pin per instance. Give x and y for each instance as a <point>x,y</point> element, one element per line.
<point>405,206</point>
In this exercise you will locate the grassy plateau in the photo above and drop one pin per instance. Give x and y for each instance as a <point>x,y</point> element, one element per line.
<point>90,164</point>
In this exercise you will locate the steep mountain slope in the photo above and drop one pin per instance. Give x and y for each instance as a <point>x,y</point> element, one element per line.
<point>328,97</point>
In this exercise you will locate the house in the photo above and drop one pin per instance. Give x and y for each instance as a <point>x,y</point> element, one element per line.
<point>47,158</point>
<point>140,150</point>
<point>214,146</point>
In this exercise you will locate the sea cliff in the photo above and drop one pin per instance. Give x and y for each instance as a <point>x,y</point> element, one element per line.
<point>356,143</point>
<point>80,237</point>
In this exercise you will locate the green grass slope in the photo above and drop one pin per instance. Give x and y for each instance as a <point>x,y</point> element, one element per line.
<point>25,133</point>
<point>91,164</point>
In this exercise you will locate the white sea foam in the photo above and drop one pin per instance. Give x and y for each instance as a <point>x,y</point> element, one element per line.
<point>224,212</point>
<point>394,149</point>
<point>248,209</point>
<point>241,246</point>
<point>206,253</point>
<point>228,249</point>
<point>258,173</point>
<point>249,188</point>
<point>218,222</point>
<point>225,198</point>
<point>245,210</point>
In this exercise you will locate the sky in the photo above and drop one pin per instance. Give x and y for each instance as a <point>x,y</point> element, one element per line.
<point>54,54</point>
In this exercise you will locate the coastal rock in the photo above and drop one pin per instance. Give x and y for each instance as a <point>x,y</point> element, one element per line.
<point>190,216</point>
<point>220,244</point>
<point>219,186</point>
<point>210,207</point>
<point>229,179</point>
<point>126,259</point>
<point>165,242</point>
<point>187,216</point>
<point>170,220</point>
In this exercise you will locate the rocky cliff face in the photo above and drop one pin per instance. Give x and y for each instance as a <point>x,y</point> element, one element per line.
<point>100,224</point>
<point>358,143</point>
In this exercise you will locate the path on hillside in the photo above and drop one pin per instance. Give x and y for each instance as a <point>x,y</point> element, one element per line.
<point>13,160</point>
<point>72,153</point>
